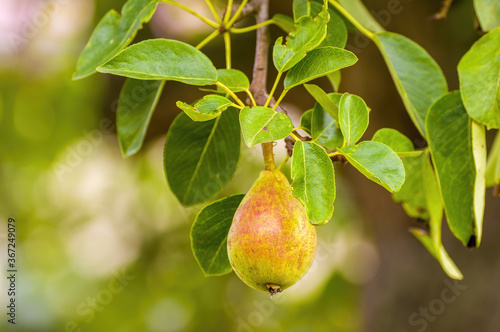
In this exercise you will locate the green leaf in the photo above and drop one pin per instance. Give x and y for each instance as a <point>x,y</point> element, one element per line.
<point>393,139</point>
<point>136,104</point>
<point>446,263</point>
<point>112,34</point>
<point>324,130</point>
<point>417,76</point>
<point>308,34</point>
<point>324,100</point>
<point>234,79</point>
<point>209,235</point>
<point>301,8</point>
<point>313,181</point>
<point>205,109</point>
<point>493,165</point>
<point>412,193</point>
<point>488,13</point>
<point>319,62</point>
<point>200,158</point>
<point>162,59</point>
<point>479,74</point>
<point>358,10</point>
<point>377,162</point>
<point>459,155</point>
<point>305,120</point>
<point>262,124</point>
<point>336,31</point>
<point>335,79</point>
<point>353,118</point>
<point>286,23</point>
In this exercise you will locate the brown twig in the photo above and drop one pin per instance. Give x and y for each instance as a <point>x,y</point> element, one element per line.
<point>445,7</point>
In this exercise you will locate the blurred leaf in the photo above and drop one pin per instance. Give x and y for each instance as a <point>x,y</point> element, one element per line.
<point>286,23</point>
<point>417,76</point>
<point>488,13</point>
<point>324,100</point>
<point>336,31</point>
<point>162,59</point>
<point>358,10</point>
<point>308,34</point>
<point>377,162</point>
<point>305,121</point>
<point>319,62</point>
<point>200,158</point>
<point>313,181</point>
<point>205,109</point>
<point>262,124</point>
<point>324,130</point>
<point>493,165</point>
<point>353,117</point>
<point>335,79</point>
<point>459,154</point>
<point>478,71</point>
<point>393,139</point>
<point>209,235</point>
<point>112,34</point>
<point>234,79</point>
<point>301,8</point>
<point>136,105</point>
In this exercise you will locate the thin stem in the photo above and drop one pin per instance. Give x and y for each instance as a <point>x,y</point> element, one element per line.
<point>236,15</point>
<point>295,137</point>
<point>208,39</point>
<point>231,93</point>
<point>351,19</point>
<point>237,106</point>
<point>189,10</point>
<point>283,94</point>
<point>283,162</point>
<point>214,12</point>
<point>227,44</point>
<point>333,154</point>
<point>276,81</point>
<point>444,10</point>
<point>250,95</point>
<point>267,151</point>
<point>227,15</point>
<point>252,27</point>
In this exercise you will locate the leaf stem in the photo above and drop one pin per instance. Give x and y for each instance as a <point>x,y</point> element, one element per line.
<point>189,10</point>
<point>209,38</point>
<point>283,94</point>
<point>237,106</point>
<point>276,81</point>
<point>250,95</point>
<point>333,154</point>
<point>214,12</point>
<point>227,45</point>
<point>283,162</point>
<point>227,15</point>
<point>252,27</point>
<point>231,93</point>
<point>351,19</point>
<point>236,15</point>
<point>267,151</point>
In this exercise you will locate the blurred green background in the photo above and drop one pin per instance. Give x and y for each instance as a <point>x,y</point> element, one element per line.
<point>103,245</point>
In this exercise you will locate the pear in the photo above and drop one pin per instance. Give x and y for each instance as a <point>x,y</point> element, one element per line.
<point>271,243</point>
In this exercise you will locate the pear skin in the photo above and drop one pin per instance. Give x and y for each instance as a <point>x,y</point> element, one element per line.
<point>271,243</point>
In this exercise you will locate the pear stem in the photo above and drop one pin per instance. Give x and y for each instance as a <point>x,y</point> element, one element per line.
<point>267,150</point>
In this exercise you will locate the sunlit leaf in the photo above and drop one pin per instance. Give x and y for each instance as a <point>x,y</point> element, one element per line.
<point>112,34</point>
<point>353,117</point>
<point>262,124</point>
<point>162,59</point>
<point>313,180</point>
<point>205,109</point>
<point>417,76</point>
<point>393,139</point>
<point>137,102</point>
<point>209,235</point>
<point>479,73</point>
<point>459,155</point>
<point>319,62</point>
<point>377,162</point>
<point>233,79</point>
<point>200,158</point>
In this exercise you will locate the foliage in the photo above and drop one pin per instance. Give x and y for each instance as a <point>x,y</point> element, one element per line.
<point>203,144</point>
